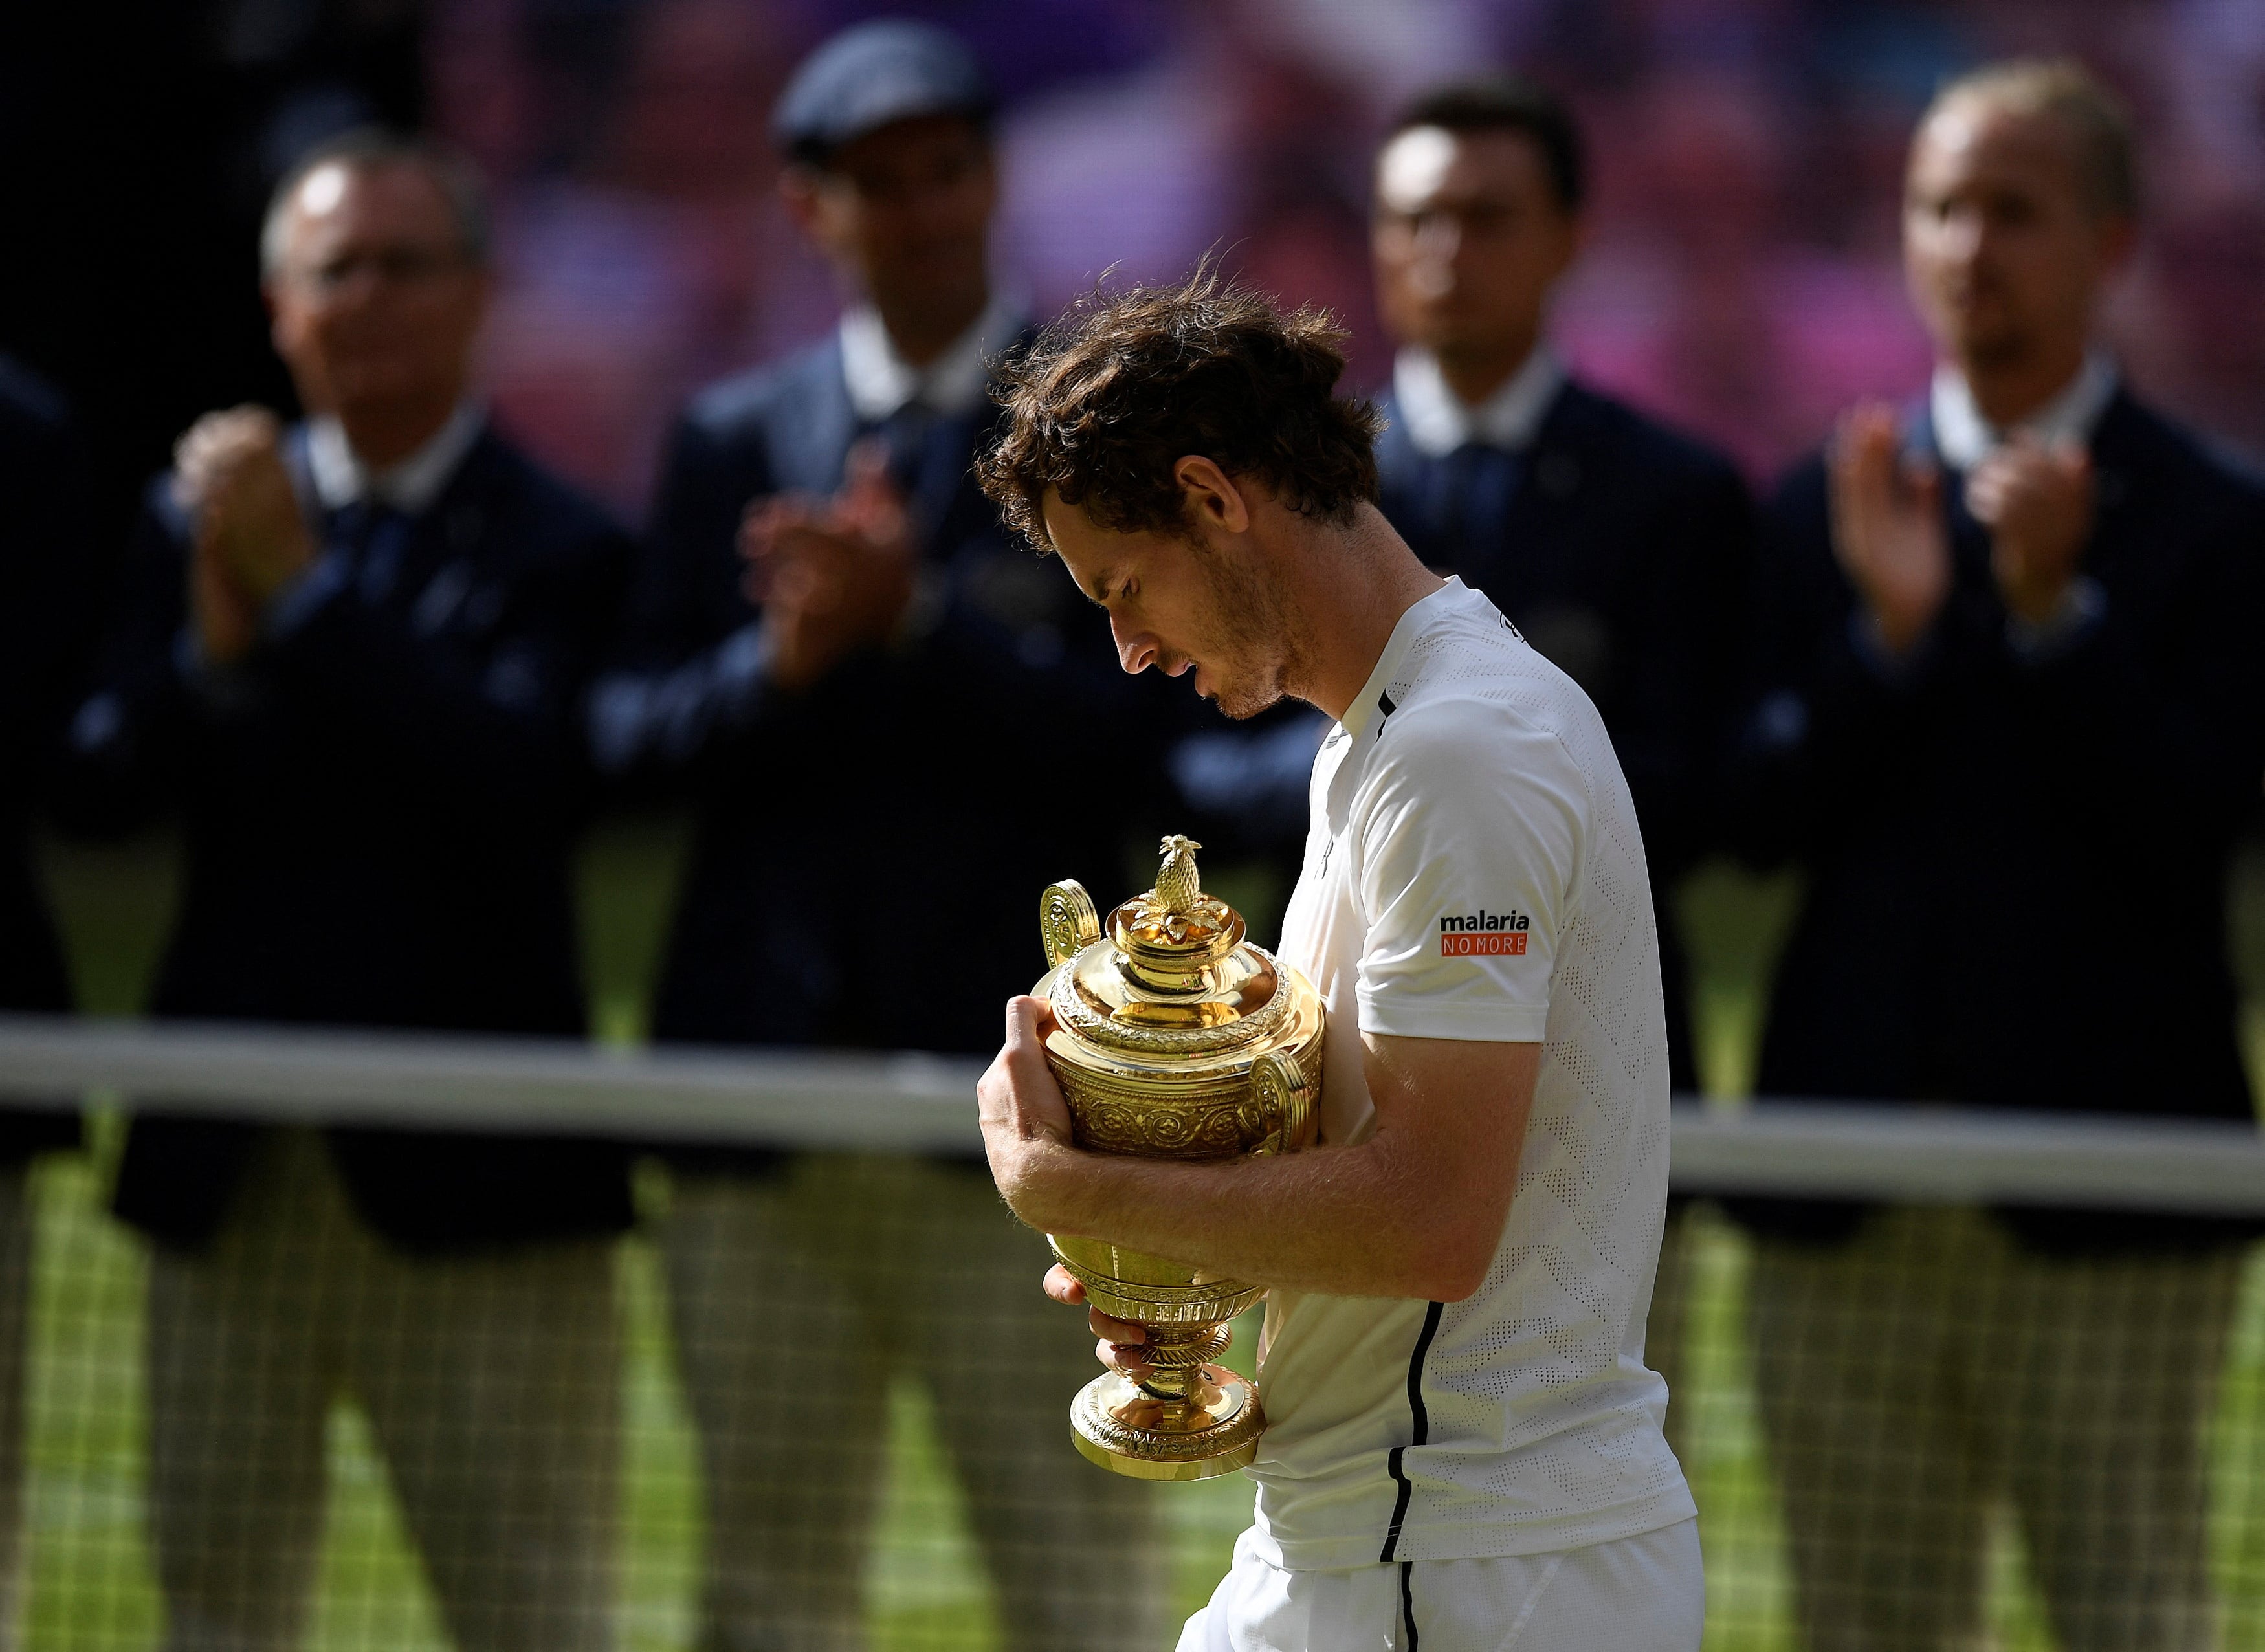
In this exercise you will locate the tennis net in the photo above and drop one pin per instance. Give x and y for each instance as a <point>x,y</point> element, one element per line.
<point>1940,1378</point>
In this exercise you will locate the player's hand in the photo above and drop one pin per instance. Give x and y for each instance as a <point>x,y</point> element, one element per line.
<point>229,472</point>
<point>832,575</point>
<point>1122,1344</point>
<point>2037,502</point>
<point>1887,526</point>
<point>1026,1123</point>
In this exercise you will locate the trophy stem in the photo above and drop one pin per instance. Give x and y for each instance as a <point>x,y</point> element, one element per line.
<point>1188,1419</point>
<point>1176,1357</point>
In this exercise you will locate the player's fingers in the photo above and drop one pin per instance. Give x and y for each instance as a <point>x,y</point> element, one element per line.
<point>1127,1358</point>
<point>1064,1287</point>
<point>1029,1021</point>
<point>1115,1330</point>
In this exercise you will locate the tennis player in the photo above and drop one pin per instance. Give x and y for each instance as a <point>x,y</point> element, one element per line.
<point>1464,1447</point>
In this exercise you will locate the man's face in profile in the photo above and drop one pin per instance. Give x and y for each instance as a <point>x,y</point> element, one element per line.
<point>2004,252</point>
<point>1466,240</point>
<point>1184,606</point>
<point>374,299</point>
<point>907,210</point>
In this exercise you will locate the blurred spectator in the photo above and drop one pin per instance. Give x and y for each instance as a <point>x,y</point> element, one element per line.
<point>45,569</point>
<point>1616,545</point>
<point>189,111</point>
<point>2010,689</point>
<point>875,700</point>
<point>351,653</point>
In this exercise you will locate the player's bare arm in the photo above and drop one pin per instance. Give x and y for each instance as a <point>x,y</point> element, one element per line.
<point>1416,1209</point>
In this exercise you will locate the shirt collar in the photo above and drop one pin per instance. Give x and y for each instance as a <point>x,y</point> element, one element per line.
<point>410,486</point>
<point>1964,438</point>
<point>1413,624</point>
<point>881,382</point>
<point>1438,421</point>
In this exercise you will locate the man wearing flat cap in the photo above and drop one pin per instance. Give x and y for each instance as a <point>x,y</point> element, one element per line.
<point>835,652</point>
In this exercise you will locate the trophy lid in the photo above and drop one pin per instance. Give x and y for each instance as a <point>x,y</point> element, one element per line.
<point>1169,977</point>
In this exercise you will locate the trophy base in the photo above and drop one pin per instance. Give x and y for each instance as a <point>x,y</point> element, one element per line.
<point>1182,1443</point>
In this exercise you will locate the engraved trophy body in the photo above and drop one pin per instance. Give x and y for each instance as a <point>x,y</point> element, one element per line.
<point>1174,1039</point>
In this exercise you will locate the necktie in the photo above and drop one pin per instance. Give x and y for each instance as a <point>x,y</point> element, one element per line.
<point>927,455</point>
<point>1470,505</point>
<point>368,534</point>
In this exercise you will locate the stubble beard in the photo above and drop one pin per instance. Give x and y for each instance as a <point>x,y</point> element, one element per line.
<point>1260,641</point>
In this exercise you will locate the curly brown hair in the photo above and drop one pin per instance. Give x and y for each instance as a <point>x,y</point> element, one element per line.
<point>1103,404</point>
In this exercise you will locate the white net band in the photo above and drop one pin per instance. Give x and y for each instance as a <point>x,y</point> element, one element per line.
<point>922,1104</point>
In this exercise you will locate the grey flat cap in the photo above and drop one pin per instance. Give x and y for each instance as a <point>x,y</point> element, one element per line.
<point>867,77</point>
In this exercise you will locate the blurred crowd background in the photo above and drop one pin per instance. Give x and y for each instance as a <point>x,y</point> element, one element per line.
<point>1742,276</point>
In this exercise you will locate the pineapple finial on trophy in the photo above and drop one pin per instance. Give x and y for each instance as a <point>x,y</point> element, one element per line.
<point>1174,927</point>
<point>1178,891</point>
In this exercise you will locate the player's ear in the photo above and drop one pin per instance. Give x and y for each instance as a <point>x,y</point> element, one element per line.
<point>1211,496</point>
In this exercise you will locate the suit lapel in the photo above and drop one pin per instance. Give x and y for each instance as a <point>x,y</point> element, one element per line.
<point>810,448</point>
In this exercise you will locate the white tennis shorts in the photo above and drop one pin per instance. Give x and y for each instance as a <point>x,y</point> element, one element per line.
<point>1639,1594</point>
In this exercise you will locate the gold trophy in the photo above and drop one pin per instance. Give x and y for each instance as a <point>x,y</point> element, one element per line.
<point>1174,1039</point>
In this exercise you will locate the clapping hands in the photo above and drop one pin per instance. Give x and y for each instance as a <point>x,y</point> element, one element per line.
<point>2035,500</point>
<point>1887,526</point>
<point>831,576</point>
<point>250,536</point>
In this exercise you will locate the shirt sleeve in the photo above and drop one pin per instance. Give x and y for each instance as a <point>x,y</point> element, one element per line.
<point>1470,843</point>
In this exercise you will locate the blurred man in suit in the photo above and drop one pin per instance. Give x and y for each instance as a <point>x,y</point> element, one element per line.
<point>46,581</point>
<point>2012,699</point>
<point>834,643</point>
<point>1619,547</point>
<point>352,654</point>
<point>1616,545</point>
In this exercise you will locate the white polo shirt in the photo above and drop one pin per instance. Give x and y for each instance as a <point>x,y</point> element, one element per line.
<point>1474,871</point>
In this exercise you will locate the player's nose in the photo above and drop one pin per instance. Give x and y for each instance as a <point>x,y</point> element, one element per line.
<point>1136,651</point>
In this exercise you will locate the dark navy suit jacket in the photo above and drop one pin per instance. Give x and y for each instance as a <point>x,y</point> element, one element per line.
<point>47,571</point>
<point>2015,863</point>
<point>1622,555</point>
<point>868,852</point>
<point>378,804</point>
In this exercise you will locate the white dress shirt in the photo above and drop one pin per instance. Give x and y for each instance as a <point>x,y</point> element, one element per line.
<point>1438,421</point>
<point>1964,438</point>
<point>881,381</point>
<point>410,486</point>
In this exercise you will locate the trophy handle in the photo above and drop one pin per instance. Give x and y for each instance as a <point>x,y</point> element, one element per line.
<point>1067,923</point>
<point>1283,1099</point>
